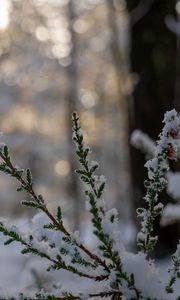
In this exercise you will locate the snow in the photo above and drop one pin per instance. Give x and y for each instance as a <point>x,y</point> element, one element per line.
<point>94,164</point>
<point>171,214</point>
<point>16,269</point>
<point>143,142</point>
<point>102,179</point>
<point>174,184</point>
<point>1,146</point>
<point>147,277</point>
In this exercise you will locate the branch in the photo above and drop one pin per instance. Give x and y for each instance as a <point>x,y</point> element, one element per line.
<point>113,294</point>
<point>26,184</point>
<point>166,150</point>
<point>140,11</point>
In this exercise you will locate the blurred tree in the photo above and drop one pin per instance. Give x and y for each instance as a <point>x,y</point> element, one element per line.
<point>118,19</point>
<point>57,56</point>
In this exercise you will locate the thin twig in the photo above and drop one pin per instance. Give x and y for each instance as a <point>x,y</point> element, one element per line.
<point>58,225</point>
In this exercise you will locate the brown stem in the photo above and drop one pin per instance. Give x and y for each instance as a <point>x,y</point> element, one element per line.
<point>117,294</point>
<point>58,225</point>
<point>68,268</point>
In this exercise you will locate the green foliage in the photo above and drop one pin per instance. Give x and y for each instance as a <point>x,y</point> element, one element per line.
<point>106,264</point>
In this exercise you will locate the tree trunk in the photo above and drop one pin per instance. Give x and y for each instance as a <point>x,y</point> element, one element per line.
<point>153,58</point>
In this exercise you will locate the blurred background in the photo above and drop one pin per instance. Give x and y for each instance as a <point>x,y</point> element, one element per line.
<point>115,62</point>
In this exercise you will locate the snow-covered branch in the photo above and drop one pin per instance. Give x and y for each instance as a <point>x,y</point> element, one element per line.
<point>110,270</point>
<point>157,167</point>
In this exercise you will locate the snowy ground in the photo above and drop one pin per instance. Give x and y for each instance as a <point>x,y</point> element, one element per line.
<point>28,273</point>
<point>24,273</point>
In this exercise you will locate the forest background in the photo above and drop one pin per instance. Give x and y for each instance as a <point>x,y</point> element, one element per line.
<point>117,63</point>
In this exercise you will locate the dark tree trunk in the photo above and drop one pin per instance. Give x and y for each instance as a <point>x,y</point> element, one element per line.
<point>153,58</point>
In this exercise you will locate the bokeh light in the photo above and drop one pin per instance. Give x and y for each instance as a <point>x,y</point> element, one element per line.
<point>4,14</point>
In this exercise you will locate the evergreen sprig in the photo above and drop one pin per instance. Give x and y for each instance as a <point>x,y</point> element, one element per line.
<point>37,201</point>
<point>69,296</point>
<point>174,270</point>
<point>96,186</point>
<point>165,150</point>
<point>67,252</point>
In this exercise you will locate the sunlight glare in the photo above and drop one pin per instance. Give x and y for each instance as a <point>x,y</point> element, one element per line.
<point>4,14</point>
<point>80,26</point>
<point>88,99</point>
<point>62,167</point>
<point>42,33</point>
